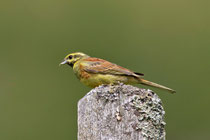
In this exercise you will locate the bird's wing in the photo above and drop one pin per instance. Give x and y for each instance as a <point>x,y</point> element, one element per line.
<point>96,65</point>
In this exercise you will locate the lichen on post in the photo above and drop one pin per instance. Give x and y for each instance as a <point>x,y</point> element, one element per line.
<point>120,112</point>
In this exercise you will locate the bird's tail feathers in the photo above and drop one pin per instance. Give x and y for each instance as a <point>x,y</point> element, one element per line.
<point>149,83</point>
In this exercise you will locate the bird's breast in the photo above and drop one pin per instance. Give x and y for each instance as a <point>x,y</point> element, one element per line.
<point>96,79</point>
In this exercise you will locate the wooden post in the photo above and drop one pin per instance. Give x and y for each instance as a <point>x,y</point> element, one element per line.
<point>120,112</point>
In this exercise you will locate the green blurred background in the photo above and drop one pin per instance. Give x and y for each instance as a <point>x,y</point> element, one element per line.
<point>168,41</point>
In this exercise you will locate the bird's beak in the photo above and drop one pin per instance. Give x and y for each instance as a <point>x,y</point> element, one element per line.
<point>64,62</point>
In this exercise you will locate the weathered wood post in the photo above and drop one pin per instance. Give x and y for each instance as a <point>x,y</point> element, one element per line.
<point>120,112</point>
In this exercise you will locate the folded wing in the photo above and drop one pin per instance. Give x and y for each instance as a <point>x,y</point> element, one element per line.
<point>96,65</point>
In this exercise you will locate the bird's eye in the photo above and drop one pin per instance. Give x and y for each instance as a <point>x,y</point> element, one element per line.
<point>70,57</point>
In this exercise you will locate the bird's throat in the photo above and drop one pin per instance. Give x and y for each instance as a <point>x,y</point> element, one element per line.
<point>71,64</point>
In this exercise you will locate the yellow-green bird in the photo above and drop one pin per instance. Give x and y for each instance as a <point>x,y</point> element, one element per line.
<point>95,71</point>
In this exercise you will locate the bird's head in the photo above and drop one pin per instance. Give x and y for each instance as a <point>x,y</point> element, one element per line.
<point>72,58</point>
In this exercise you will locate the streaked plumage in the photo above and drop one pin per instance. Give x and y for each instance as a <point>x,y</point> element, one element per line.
<point>94,72</point>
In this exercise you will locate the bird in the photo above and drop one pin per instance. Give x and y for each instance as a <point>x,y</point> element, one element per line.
<point>94,72</point>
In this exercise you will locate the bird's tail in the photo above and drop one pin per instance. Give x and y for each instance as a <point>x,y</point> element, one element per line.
<point>149,83</point>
